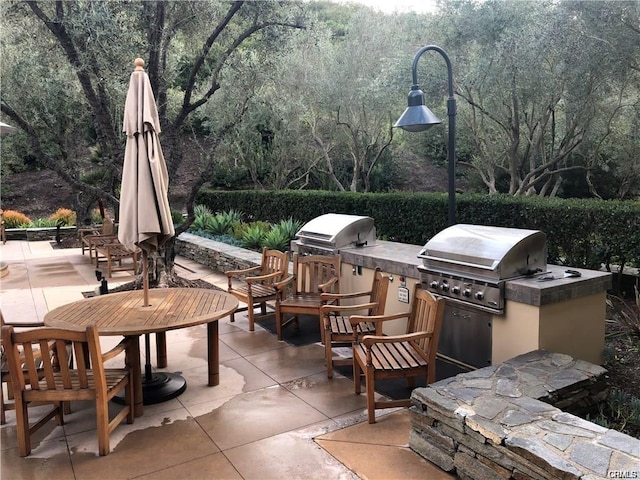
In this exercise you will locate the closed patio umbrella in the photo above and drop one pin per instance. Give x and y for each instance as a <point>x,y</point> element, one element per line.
<point>145,216</point>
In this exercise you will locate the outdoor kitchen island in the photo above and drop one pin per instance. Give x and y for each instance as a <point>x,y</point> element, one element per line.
<point>563,315</point>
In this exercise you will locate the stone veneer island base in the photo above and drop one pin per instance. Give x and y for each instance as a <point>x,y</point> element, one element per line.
<point>516,421</point>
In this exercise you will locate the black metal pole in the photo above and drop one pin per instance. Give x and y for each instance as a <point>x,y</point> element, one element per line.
<point>451,112</point>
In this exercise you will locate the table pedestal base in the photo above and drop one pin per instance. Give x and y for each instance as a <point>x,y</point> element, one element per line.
<point>159,388</point>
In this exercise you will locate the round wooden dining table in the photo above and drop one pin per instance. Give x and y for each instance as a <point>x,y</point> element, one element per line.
<point>125,314</point>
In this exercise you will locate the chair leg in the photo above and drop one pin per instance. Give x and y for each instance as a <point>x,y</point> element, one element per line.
<point>371,401</point>
<point>252,325</point>
<point>279,323</point>
<point>3,418</point>
<point>102,424</point>
<point>22,429</point>
<point>328,352</point>
<point>356,375</point>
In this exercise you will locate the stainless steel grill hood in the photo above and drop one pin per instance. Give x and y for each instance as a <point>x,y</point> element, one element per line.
<point>492,252</point>
<point>335,231</point>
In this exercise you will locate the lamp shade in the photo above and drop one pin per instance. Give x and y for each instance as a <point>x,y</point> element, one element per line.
<point>416,117</point>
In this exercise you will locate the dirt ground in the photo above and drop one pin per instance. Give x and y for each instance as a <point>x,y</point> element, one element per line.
<point>39,194</point>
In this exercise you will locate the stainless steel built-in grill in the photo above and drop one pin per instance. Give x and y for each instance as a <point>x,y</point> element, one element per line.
<point>333,232</point>
<point>470,263</point>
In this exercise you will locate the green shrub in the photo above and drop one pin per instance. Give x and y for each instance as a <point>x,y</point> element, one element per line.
<point>254,235</point>
<point>277,239</point>
<point>222,223</point>
<point>202,216</point>
<point>96,218</point>
<point>14,219</point>
<point>200,210</point>
<point>177,217</point>
<point>43,222</point>
<point>289,227</point>
<point>65,216</point>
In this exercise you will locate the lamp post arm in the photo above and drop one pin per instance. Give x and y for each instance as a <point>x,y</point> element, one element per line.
<point>435,48</point>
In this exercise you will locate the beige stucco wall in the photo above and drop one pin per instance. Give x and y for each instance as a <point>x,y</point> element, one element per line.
<point>574,327</point>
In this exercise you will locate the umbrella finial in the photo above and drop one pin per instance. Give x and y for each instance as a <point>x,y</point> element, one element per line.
<point>139,63</point>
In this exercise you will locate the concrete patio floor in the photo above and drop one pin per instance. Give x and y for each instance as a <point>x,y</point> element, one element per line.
<point>274,415</point>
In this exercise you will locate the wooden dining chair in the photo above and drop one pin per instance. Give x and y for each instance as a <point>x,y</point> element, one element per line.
<point>300,293</point>
<point>59,383</point>
<point>338,330</point>
<point>255,285</point>
<point>6,398</point>
<point>399,356</point>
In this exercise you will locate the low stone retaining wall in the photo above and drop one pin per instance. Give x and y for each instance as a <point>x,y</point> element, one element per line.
<point>39,234</point>
<point>506,422</point>
<point>217,255</point>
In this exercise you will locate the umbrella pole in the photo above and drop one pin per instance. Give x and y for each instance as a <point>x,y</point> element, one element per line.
<point>145,277</point>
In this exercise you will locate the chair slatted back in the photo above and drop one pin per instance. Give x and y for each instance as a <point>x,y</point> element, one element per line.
<point>274,261</point>
<point>108,227</point>
<point>27,360</point>
<point>379,290</point>
<point>312,271</point>
<point>427,313</point>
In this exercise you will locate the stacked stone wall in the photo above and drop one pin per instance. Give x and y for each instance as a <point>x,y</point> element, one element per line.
<point>504,422</point>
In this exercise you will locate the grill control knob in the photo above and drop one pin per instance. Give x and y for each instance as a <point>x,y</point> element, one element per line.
<point>466,292</point>
<point>455,290</point>
<point>434,285</point>
<point>445,287</point>
<point>479,295</point>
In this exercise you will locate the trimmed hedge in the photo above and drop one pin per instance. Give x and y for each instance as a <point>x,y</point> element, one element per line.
<point>580,232</point>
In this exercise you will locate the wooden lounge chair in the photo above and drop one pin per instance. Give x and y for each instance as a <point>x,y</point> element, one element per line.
<point>257,282</point>
<point>300,293</point>
<point>60,384</point>
<point>338,330</point>
<point>399,356</point>
<point>113,253</point>
<point>89,241</point>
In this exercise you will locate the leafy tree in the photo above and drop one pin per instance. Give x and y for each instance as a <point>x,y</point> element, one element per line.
<point>195,51</point>
<point>533,81</point>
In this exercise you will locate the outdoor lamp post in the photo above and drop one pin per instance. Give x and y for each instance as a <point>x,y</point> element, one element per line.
<point>417,118</point>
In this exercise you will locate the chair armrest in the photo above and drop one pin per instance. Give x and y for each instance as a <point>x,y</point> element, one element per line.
<point>244,271</point>
<point>24,324</point>
<point>355,319</point>
<point>117,350</point>
<point>281,285</point>
<point>324,287</point>
<point>369,340</point>
<point>262,278</point>
<point>327,309</point>
<point>341,296</point>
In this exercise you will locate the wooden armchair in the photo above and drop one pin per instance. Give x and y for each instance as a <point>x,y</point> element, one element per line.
<point>257,286</point>
<point>299,294</point>
<point>399,356</point>
<point>7,402</point>
<point>107,235</point>
<point>60,384</point>
<point>338,330</point>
